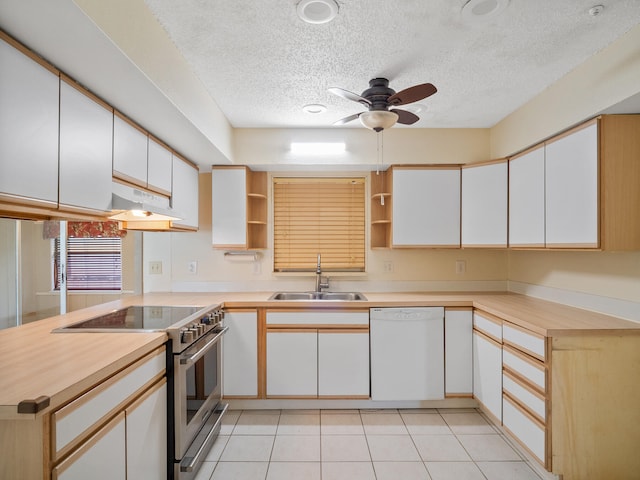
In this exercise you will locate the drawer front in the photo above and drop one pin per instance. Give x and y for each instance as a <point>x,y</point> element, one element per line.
<point>529,369</point>
<point>527,431</point>
<point>318,318</point>
<point>87,411</point>
<point>525,395</point>
<point>488,325</point>
<point>528,342</point>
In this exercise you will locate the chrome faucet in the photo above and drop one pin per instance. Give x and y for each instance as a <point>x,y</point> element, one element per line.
<point>319,283</point>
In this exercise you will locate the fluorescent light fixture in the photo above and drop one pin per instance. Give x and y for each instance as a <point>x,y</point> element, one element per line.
<point>317,148</point>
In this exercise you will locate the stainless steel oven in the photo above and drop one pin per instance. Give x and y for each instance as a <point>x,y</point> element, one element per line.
<point>197,410</point>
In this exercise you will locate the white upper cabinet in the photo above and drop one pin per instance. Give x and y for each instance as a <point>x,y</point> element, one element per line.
<point>484,205</point>
<point>159,166</point>
<point>86,134</point>
<point>129,151</point>
<point>184,195</point>
<point>571,184</point>
<point>426,207</point>
<point>526,199</point>
<point>29,95</point>
<point>229,207</point>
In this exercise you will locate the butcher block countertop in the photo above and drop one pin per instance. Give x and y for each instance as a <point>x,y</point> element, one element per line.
<point>37,363</point>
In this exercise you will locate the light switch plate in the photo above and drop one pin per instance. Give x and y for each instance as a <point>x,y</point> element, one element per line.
<point>155,268</point>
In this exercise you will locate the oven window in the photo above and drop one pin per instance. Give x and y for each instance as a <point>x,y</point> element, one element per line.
<point>202,381</point>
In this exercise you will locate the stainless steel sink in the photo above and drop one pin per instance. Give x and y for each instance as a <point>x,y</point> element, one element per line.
<point>337,296</point>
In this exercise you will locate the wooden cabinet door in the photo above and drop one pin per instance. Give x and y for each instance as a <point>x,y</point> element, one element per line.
<point>458,356</point>
<point>29,95</point>
<point>343,363</point>
<point>240,354</point>
<point>571,179</point>
<point>86,136</point>
<point>487,374</point>
<point>101,457</point>
<point>160,165</point>
<point>229,207</point>
<point>146,422</point>
<point>129,152</point>
<point>292,363</point>
<point>184,196</point>
<point>526,199</point>
<point>484,205</point>
<point>426,207</point>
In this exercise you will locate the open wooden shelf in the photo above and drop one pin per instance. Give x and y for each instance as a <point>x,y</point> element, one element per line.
<point>381,199</point>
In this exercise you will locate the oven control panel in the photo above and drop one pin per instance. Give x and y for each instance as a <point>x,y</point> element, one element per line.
<point>204,324</point>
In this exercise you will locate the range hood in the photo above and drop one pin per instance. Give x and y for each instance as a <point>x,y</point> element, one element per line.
<point>138,209</point>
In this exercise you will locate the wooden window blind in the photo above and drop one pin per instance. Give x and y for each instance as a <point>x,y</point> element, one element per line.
<point>319,215</point>
<point>92,263</point>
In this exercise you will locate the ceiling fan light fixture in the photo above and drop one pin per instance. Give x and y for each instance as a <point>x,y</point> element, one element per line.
<point>378,120</point>
<point>317,11</point>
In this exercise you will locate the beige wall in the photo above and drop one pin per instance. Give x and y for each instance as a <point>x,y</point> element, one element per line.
<point>604,80</point>
<point>400,145</point>
<point>609,274</point>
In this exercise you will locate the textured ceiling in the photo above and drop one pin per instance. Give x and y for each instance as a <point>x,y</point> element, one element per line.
<point>261,63</point>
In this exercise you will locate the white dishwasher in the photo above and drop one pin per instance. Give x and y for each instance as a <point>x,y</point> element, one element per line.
<point>407,353</point>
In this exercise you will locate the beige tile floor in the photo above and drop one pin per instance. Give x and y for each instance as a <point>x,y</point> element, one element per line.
<point>425,444</point>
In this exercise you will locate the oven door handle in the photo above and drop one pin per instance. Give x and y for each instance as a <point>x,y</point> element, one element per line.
<point>194,357</point>
<point>189,464</point>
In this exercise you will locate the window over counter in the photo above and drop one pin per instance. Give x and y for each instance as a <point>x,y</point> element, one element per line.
<point>319,216</point>
<point>93,255</point>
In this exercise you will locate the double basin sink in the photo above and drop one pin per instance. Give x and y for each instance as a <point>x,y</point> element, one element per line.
<point>336,296</point>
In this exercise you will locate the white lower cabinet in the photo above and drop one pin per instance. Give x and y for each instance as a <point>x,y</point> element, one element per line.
<point>146,422</point>
<point>530,433</point>
<point>458,352</point>
<point>317,354</point>
<point>343,363</point>
<point>292,363</point>
<point>102,457</point>
<point>240,354</point>
<point>487,374</point>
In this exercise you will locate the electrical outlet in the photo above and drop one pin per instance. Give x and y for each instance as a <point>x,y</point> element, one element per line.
<point>388,267</point>
<point>257,268</point>
<point>155,268</point>
<point>461,267</point>
<point>192,267</point>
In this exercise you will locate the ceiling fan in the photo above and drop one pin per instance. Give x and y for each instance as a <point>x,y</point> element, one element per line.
<point>380,100</point>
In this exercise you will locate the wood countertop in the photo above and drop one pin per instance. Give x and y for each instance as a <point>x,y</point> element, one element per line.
<point>60,366</point>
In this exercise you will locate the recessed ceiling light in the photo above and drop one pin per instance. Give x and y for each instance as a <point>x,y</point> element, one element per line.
<point>317,11</point>
<point>483,9</point>
<point>314,108</point>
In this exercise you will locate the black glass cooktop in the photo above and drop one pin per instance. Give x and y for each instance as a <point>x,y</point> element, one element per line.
<point>137,318</point>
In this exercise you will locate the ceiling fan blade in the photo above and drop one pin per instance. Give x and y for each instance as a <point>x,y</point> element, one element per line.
<point>405,117</point>
<point>341,92</point>
<point>348,119</point>
<point>412,94</point>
